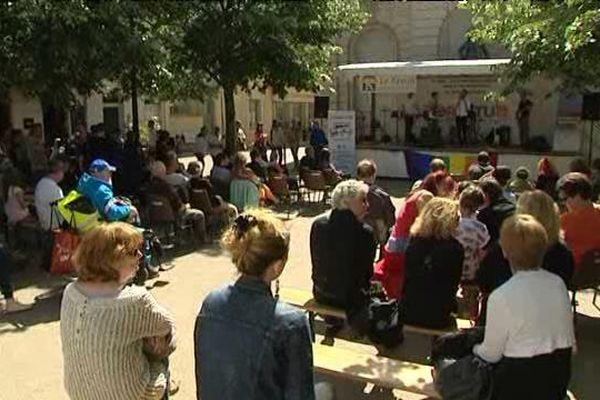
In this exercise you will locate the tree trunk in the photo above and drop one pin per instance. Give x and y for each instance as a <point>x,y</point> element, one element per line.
<point>230,128</point>
<point>135,126</point>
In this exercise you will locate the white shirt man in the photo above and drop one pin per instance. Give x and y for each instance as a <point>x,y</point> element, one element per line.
<point>47,191</point>
<point>463,107</point>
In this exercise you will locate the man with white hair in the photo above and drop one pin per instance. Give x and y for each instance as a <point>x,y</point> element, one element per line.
<point>342,250</point>
<point>161,188</point>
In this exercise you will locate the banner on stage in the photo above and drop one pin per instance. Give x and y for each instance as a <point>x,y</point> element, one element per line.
<point>342,139</point>
<point>388,84</point>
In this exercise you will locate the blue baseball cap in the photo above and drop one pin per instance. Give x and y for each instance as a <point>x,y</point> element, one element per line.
<point>100,165</point>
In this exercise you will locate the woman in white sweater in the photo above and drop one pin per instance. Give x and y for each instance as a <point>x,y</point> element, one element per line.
<point>115,338</point>
<point>529,326</point>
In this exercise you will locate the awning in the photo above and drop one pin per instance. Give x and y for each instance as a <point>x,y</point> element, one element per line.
<point>421,68</point>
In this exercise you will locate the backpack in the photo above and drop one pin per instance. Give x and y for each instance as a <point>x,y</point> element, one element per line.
<point>78,211</point>
<point>381,320</point>
<point>152,255</point>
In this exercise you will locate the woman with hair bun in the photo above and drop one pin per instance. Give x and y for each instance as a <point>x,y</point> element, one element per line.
<point>248,345</point>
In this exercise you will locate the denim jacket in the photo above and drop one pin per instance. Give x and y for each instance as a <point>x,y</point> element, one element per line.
<point>248,345</point>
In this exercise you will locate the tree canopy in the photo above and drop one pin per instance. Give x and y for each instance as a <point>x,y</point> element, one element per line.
<point>558,39</point>
<point>170,49</point>
<point>276,44</point>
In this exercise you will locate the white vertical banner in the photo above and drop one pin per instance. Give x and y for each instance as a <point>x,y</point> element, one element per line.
<point>342,139</point>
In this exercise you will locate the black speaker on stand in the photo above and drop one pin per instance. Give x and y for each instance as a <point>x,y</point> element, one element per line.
<point>590,111</point>
<point>321,107</point>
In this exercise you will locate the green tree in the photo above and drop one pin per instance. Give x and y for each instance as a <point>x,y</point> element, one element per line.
<point>558,39</point>
<point>278,44</point>
<point>55,50</point>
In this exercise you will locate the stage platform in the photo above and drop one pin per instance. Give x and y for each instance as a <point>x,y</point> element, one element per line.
<point>395,161</point>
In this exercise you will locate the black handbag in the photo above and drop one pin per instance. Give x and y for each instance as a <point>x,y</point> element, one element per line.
<point>381,320</point>
<point>468,378</point>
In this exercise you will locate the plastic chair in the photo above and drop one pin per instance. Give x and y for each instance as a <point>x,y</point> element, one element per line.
<point>586,277</point>
<point>243,194</point>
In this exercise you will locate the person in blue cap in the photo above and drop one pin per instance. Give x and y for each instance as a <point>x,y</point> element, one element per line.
<point>97,187</point>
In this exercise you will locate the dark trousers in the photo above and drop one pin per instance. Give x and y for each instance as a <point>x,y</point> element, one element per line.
<point>461,129</point>
<point>523,131</point>
<point>543,377</point>
<point>409,122</point>
<point>5,285</point>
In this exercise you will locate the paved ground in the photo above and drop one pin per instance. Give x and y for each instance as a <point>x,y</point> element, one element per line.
<point>30,349</point>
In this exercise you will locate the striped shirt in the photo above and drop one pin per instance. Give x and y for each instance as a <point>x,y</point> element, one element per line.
<point>102,344</point>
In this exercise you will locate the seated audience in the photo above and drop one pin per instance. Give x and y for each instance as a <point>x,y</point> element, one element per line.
<point>308,162</point>
<point>47,192</point>
<point>547,177</point>
<point>485,162</point>
<point>529,328</point>
<point>97,187</point>
<point>241,171</point>
<point>471,233</point>
<point>17,212</point>
<point>242,325</point>
<point>496,207</point>
<point>342,249</point>
<point>10,304</point>
<point>115,337</point>
<point>581,222</point>
<point>435,165</point>
<point>521,182</point>
<point>434,264</point>
<point>257,164</point>
<point>197,182</point>
<point>382,213</point>
<point>160,187</point>
<point>503,175</point>
<point>581,166</point>
<point>221,171</point>
<point>275,167</point>
<point>558,258</point>
<point>390,269</point>
<point>475,172</point>
<point>324,164</point>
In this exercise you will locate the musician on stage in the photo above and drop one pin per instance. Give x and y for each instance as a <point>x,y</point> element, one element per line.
<point>522,116</point>
<point>463,107</point>
<point>410,113</point>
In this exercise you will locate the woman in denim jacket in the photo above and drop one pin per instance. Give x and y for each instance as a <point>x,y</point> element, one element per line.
<point>248,345</point>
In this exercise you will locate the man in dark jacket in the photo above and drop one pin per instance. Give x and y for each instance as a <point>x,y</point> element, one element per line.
<point>497,207</point>
<point>342,250</point>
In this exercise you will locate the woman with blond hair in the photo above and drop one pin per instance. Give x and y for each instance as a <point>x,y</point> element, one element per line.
<point>529,327</point>
<point>115,338</point>
<point>559,258</point>
<point>248,344</point>
<point>434,261</point>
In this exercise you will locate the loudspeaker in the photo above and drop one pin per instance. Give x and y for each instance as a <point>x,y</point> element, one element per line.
<point>590,109</point>
<point>321,106</point>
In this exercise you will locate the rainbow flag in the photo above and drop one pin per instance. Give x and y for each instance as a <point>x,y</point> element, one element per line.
<point>417,162</point>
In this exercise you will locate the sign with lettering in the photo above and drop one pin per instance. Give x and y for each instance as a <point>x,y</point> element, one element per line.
<point>388,84</point>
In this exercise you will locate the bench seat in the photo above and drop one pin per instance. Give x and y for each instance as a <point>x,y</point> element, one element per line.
<point>304,299</point>
<point>380,371</point>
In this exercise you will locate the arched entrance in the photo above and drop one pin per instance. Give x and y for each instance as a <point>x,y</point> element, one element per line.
<point>376,43</point>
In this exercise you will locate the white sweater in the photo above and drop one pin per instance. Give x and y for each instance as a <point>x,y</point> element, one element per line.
<point>529,315</point>
<point>102,341</point>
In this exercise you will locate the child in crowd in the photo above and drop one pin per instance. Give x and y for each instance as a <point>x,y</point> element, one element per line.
<point>521,183</point>
<point>503,174</point>
<point>473,236</point>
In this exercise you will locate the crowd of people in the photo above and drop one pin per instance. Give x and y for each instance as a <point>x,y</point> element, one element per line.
<point>508,245</point>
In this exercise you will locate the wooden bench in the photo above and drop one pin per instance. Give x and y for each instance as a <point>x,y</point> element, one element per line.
<point>380,371</point>
<point>303,299</point>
